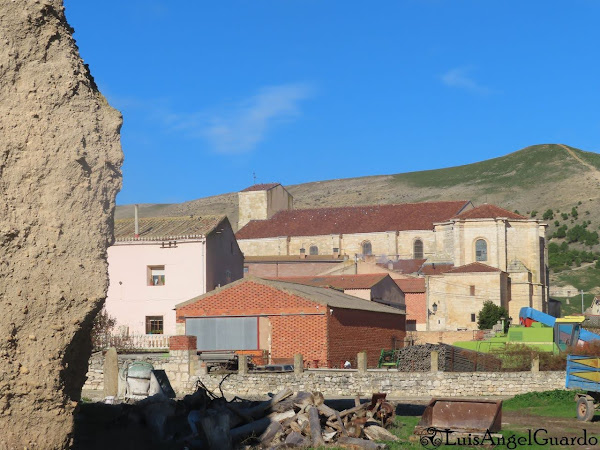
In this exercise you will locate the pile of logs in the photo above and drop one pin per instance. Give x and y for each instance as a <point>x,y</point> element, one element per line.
<point>206,420</point>
<point>306,421</point>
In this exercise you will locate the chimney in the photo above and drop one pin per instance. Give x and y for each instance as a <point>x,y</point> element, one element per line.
<point>137,226</point>
<point>336,253</point>
<point>390,265</point>
<point>302,253</point>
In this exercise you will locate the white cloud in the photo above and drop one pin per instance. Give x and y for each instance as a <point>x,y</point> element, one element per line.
<point>459,77</point>
<point>241,127</point>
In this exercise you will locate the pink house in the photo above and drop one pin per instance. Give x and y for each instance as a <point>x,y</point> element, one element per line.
<point>168,261</point>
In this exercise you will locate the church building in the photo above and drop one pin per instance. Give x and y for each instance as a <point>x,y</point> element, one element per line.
<point>468,254</point>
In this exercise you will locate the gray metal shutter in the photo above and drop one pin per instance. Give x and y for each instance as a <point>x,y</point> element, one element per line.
<point>224,333</point>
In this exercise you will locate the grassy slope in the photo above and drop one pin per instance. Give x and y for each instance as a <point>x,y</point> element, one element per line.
<point>537,177</point>
<point>523,168</point>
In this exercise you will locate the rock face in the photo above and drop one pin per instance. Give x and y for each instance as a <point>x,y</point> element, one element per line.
<point>60,160</point>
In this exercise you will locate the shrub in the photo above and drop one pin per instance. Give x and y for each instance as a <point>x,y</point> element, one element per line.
<point>548,215</point>
<point>574,213</point>
<point>534,213</point>
<point>556,223</point>
<point>564,216</point>
<point>490,314</point>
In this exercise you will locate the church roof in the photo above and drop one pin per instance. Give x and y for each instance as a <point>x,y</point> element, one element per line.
<point>474,267</point>
<point>261,187</point>
<point>352,219</point>
<point>489,212</point>
<point>163,228</point>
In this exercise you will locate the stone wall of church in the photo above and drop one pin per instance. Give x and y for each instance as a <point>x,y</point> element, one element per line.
<point>252,206</point>
<point>457,301</point>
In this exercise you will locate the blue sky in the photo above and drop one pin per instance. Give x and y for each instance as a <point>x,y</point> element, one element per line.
<point>300,91</point>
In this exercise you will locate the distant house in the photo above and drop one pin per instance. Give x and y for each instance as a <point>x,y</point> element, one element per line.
<point>170,260</point>
<point>292,265</point>
<point>275,320</point>
<point>416,302</point>
<point>374,287</point>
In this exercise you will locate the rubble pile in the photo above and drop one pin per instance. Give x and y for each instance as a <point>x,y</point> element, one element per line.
<point>205,420</point>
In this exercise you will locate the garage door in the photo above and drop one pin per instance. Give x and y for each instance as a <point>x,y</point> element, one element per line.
<point>224,333</point>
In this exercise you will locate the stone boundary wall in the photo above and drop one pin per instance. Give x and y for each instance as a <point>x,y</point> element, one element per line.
<point>344,382</point>
<point>95,376</point>
<point>396,384</point>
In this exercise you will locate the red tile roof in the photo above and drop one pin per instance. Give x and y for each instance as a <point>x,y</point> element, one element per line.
<point>261,187</point>
<point>404,265</point>
<point>361,281</point>
<point>474,267</point>
<point>489,212</point>
<point>411,285</point>
<point>436,268</point>
<point>352,219</point>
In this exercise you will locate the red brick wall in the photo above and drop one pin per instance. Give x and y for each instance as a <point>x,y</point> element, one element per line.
<point>299,334</point>
<point>416,307</point>
<point>352,331</point>
<point>182,343</point>
<point>248,299</point>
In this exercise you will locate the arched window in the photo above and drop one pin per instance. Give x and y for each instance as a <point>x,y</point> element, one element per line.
<point>480,250</point>
<point>313,250</point>
<point>418,249</point>
<point>366,248</point>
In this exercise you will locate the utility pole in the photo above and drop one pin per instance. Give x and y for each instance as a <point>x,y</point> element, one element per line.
<point>582,310</point>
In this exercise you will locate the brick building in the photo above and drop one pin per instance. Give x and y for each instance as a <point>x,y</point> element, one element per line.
<point>415,301</point>
<point>280,319</point>
<point>374,287</point>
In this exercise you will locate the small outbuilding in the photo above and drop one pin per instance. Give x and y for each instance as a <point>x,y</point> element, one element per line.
<point>279,319</point>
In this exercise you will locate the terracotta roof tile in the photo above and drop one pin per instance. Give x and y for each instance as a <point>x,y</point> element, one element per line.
<point>489,212</point>
<point>436,268</point>
<point>361,281</point>
<point>261,187</point>
<point>404,265</point>
<point>411,285</point>
<point>352,219</point>
<point>161,228</point>
<point>474,267</point>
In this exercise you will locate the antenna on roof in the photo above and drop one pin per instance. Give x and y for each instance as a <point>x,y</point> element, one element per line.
<point>254,176</point>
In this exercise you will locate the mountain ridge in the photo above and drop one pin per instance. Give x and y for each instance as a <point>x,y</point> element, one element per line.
<point>537,177</point>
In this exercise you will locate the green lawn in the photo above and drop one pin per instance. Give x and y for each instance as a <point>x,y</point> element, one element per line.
<point>557,403</point>
<point>586,279</point>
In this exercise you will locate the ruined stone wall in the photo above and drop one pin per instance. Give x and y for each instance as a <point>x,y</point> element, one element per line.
<point>60,159</point>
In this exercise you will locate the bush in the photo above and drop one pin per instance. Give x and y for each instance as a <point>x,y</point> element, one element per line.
<point>564,216</point>
<point>556,223</point>
<point>102,333</point>
<point>534,213</point>
<point>548,215</point>
<point>490,314</point>
<point>574,213</point>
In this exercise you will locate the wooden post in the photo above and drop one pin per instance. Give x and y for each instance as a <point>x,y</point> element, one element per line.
<point>361,362</point>
<point>535,364</point>
<point>435,356</point>
<point>242,365</point>
<point>298,364</point>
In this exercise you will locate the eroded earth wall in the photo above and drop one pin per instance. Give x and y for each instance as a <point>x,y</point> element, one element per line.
<point>60,160</point>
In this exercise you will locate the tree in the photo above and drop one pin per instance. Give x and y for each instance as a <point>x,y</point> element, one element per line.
<point>548,215</point>
<point>564,216</point>
<point>574,213</point>
<point>490,314</point>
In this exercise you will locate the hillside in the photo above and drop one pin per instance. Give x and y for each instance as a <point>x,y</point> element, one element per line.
<point>534,178</point>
